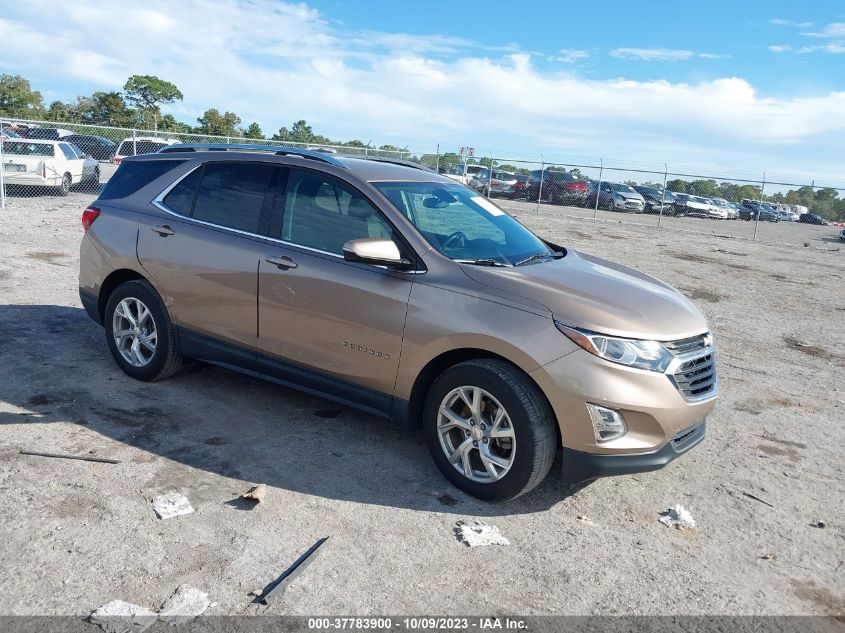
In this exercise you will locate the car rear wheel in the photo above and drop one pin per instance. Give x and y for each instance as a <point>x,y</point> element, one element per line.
<point>490,430</point>
<point>140,334</point>
<point>64,188</point>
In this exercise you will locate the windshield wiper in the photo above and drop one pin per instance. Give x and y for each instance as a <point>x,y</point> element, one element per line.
<point>536,256</point>
<point>481,262</point>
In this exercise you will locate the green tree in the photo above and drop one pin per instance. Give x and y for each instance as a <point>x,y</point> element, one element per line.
<point>216,124</point>
<point>17,98</point>
<point>706,188</point>
<point>300,132</point>
<point>109,108</point>
<point>57,111</point>
<point>355,143</point>
<point>149,93</point>
<point>677,185</point>
<point>168,123</point>
<point>254,131</point>
<point>631,183</point>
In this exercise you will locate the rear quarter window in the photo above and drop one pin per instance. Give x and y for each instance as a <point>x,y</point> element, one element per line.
<point>131,177</point>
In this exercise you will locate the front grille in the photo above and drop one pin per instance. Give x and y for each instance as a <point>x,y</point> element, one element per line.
<point>696,378</point>
<point>694,371</point>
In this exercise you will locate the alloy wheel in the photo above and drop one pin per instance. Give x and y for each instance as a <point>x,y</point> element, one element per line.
<point>134,332</point>
<point>476,434</point>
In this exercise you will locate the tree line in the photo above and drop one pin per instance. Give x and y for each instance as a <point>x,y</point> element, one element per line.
<point>138,105</point>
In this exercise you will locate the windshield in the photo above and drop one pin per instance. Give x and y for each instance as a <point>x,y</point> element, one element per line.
<point>620,187</point>
<point>462,225</point>
<point>22,148</point>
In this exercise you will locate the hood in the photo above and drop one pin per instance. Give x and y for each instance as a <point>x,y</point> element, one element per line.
<point>599,295</point>
<point>629,195</point>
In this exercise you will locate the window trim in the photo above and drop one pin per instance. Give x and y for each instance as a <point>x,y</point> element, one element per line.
<point>158,202</point>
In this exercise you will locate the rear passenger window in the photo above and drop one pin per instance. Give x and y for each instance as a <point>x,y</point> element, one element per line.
<point>131,177</point>
<point>323,213</point>
<point>181,197</point>
<point>232,194</point>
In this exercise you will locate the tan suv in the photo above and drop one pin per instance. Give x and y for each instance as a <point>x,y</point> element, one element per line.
<point>389,288</point>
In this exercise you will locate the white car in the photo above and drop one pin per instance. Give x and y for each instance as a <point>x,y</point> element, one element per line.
<point>724,210</point>
<point>55,164</point>
<point>786,213</point>
<point>140,145</point>
<point>464,173</point>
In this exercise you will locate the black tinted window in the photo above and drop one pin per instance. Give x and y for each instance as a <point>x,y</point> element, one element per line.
<point>181,197</point>
<point>130,177</point>
<point>232,194</point>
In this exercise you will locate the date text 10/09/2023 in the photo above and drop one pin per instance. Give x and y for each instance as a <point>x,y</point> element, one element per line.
<point>420,623</point>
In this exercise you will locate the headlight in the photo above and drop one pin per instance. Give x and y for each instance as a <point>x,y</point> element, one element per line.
<point>649,355</point>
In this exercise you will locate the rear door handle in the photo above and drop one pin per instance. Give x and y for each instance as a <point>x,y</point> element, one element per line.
<point>284,262</point>
<point>163,230</point>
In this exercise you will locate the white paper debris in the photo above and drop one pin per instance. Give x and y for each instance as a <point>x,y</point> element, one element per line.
<point>122,617</point>
<point>184,605</point>
<point>479,534</point>
<point>678,517</point>
<point>171,504</point>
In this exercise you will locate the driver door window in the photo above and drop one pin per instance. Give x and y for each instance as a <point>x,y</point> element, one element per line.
<point>323,213</point>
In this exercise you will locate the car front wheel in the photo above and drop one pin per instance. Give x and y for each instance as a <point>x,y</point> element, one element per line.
<point>140,334</point>
<point>490,430</point>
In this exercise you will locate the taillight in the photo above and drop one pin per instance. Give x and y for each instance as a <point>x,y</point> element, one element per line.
<point>88,216</point>
<point>116,160</point>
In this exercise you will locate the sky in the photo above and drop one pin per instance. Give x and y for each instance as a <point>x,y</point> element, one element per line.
<point>724,88</point>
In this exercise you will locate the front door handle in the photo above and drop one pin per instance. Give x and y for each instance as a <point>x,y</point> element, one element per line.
<point>284,262</point>
<point>163,230</point>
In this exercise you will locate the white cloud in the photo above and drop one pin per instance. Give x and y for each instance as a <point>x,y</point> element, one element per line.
<point>568,56</point>
<point>832,30</point>
<point>792,23</point>
<point>661,54</point>
<point>652,54</point>
<point>780,48</point>
<point>276,63</point>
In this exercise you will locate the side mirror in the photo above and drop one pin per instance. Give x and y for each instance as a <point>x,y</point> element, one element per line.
<point>376,251</point>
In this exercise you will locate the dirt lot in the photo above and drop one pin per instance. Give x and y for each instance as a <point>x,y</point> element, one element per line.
<point>78,534</point>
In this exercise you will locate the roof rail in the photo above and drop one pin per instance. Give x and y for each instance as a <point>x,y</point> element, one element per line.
<point>274,149</point>
<point>394,161</point>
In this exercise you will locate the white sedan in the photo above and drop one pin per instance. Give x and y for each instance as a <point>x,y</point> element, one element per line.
<point>54,164</point>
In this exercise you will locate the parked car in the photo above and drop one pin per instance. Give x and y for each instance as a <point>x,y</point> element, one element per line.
<point>730,211</point>
<point>54,164</point>
<point>305,269</point>
<point>657,200</point>
<point>97,147</point>
<point>786,214</point>
<point>753,210</point>
<point>499,183</point>
<point>687,204</point>
<point>719,209</point>
<point>556,187</point>
<point>140,145</point>
<point>812,218</point>
<point>842,235</point>
<point>47,133</point>
<point>4,134</point>
<point>615,196</point>
<point>463,173</point>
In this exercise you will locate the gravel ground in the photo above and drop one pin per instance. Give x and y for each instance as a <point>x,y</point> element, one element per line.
<point>80,534</point>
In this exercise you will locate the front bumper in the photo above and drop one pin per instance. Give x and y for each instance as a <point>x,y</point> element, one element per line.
<point>579,467</point>
<point>654,409</point>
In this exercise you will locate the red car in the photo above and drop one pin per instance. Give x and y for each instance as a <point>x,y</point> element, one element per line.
<point>558,187</point>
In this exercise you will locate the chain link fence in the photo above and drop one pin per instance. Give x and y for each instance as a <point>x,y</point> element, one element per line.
<point>41,158</point>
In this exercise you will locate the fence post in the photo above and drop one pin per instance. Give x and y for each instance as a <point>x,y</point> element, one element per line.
<point>542,173</point>
<point>757,223</point>
<point>598,188</point>
<point>812,194</point>
<point>437,159</point>
<point>490,177</point>
<point>2,172</point>
<point>663,196</point>
<point>134,143</point>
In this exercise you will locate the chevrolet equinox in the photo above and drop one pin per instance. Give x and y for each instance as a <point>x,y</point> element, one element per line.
<point>382,285</point>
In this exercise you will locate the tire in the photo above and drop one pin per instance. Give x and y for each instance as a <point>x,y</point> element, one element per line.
<point>64,188</point>
<point>166,358</point>
<point>532,427</point>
